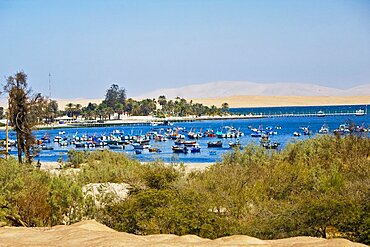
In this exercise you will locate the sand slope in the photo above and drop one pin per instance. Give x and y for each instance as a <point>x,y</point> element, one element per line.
<point>91,233</point>
<point>264,101</point>
<point>230,88</point>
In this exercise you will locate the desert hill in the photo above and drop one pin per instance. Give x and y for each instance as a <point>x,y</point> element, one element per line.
<point>92,233</point>
<point>231,88</point>
<point>250,94</point>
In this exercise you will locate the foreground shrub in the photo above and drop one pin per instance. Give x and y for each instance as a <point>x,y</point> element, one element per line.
<point>317,187</point>
<point>29,197</point>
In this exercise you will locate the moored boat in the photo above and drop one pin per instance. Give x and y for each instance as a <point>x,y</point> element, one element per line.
<point>360,112</point>
<point>324,129</point>
<point>116,146</point>
<point>178,149</point>
<point>320,114</point>
<point>217,144</point>
<point>270,145</point>
<point>195,149</point>
<point>234,144</point>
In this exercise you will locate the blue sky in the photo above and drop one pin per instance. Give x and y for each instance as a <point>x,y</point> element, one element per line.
<point>147,45</point>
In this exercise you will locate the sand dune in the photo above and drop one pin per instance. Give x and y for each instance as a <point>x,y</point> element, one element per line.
<point>261,101</point>
<point>230,88</point>
<point>91,233</point>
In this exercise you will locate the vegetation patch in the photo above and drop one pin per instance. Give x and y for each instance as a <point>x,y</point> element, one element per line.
<point>317,187</point>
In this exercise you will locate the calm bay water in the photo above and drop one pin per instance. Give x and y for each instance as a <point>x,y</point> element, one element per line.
<point>285,134</point>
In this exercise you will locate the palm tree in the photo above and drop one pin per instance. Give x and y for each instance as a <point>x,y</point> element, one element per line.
<point>77,109</point>
<point>162,100</point>
<point>69,109</point>
<point>225,108</point>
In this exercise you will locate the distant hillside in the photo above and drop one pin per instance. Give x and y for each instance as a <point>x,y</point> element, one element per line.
<point>230,88</point>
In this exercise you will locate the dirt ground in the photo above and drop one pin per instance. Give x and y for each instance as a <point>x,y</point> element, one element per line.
<point>92,233</point>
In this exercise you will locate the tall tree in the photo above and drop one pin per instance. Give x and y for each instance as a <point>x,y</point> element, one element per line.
<point>53,109</point>
<point>225,107</point>
<point>115,95</point>
<point>70,108</point>
<point>162,100</point>
<point>23,112</point>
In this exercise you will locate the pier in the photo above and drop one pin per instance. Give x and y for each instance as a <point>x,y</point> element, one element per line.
<point>313,114</point>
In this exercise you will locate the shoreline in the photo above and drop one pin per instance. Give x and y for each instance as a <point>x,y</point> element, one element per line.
<point>141,120</point>
<point>54,166</point>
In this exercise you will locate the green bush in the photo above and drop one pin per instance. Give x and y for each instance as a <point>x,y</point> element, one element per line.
<point>31,197</point>
<point>317,187</point>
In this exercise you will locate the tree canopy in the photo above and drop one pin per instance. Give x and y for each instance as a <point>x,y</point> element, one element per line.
<point>25,111</point>
<point>115,95</point>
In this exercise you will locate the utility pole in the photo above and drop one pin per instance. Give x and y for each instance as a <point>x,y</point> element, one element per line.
<point>7,135</point>
<point>49,86</point>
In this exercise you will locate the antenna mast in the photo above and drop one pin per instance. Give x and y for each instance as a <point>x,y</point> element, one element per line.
<point>49,86</point>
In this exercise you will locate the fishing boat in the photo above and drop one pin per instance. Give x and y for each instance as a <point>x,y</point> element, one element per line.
<point>306,130</point>
<point>45,147</point>
<point>159,138</point>
<point>179,142</point>
<point>178,149</point>
<point>234,144</point>
<point>63,143</point>
<point>195,149</point>
<point>194,135</point>
<point>140,146</point>
<point>57,138</point>
<point>217,144</point>
<point>154,150</point>
<point>190,143</point>
<point>270,145</point>
<point>79,144</point>
<point>116,146</point>
<point>256,133</point>
<point>209,133</point>
<point>176,135</point>
<point>46,138</point>
<point>296,134</point>
<point>324,129</point>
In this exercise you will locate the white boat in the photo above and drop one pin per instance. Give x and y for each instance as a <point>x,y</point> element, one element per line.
<point>140,146</point>
<point>360,112</point>
<point>324,129</point>
<point>320,114</point>
<point>296,133</point>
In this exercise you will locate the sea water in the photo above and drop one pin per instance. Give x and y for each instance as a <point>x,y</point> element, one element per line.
<point>286,127</point>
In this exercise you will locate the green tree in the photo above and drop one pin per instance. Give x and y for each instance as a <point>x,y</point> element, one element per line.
<point>115,95</point>
<point>2,115</point>
<point>20,105</point>
<point>225,107</point>
<point>70,109</point>
<point>162,100</point>
<point>52,109</point>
